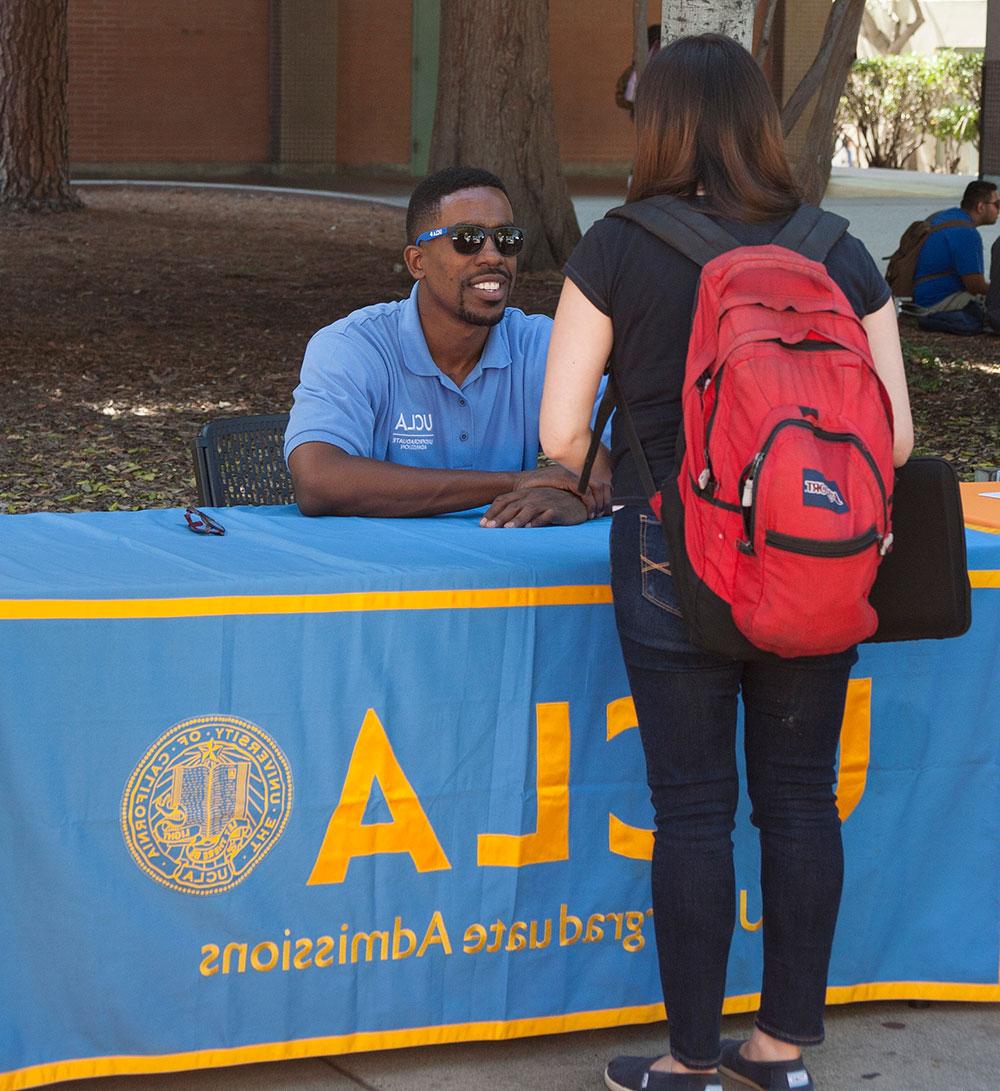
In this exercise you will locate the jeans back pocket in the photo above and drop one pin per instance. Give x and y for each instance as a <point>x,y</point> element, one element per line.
<point>657,577</point>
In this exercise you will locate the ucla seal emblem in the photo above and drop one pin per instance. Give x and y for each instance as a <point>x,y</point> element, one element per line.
<point>207,802</point>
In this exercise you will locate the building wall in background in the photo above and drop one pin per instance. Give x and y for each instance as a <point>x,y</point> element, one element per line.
<point>373,82</point>
<point>325,84</point>
<point>181,82</point>
<point>590,43</point>
<point>956,24</point>
<point>191,82</point>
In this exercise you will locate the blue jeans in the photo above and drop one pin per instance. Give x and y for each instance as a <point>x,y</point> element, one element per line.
<point>686,701</point>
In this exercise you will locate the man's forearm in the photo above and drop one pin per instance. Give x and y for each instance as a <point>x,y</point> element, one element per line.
<point>332,482</point>
<point>975,283</point>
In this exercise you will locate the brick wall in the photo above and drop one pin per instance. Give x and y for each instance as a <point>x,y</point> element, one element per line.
<point>589,44</point>
<point>373,82</point>
<point>187,81</point>
<point>184,81</point>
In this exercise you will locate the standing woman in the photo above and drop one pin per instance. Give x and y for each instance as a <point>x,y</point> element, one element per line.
<point>708,132</point>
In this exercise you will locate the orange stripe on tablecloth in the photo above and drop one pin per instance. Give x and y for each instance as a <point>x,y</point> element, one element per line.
<point>480,598</point>
<point>144,1064</point>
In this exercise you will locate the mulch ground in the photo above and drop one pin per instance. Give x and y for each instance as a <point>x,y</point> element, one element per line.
<point>127,326</point>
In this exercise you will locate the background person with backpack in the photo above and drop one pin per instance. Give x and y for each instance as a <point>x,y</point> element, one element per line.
<point>626,83</point>
<point>940,263</point>
<point>709,136</point>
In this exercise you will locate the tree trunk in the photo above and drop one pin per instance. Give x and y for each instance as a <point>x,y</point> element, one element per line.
<point>732,17</point>
<point>640,38</point>
<point>825,81</point>
<point>34,146</point>
<point>494,110</point>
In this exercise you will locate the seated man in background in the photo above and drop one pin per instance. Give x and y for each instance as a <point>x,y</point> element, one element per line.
<point>430,405</point>
<point>949,271</point>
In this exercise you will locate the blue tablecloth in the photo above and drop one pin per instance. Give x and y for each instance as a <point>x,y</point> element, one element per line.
<point>328,785</point>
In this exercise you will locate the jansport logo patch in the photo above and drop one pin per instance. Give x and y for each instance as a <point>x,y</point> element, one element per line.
<point>414,431</point>
<point>818,492</point>
<point>206,803</point>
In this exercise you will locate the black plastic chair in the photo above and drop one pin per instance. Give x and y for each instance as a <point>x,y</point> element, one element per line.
<point>240,461</point>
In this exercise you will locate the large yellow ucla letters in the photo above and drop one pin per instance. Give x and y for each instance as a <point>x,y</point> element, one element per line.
<point>624,840</point>
<point>346,836</point>
<point>855,738</point>
<point>855,746</point>
<point>550,841</point>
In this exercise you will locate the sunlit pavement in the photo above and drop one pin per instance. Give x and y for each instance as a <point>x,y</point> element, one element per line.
<point>880,204</point>
<point>882,1047</point>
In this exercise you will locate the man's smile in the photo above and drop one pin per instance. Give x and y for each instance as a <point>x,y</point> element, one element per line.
<point>491,287</point>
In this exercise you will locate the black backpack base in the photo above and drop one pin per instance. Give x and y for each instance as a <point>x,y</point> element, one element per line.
<point>922,589</point>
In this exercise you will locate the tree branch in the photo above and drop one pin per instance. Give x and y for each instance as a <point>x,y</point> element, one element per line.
<point>909,30</point>
<point>765,32</point>
<point>845,14</point>
<point>874,33</point>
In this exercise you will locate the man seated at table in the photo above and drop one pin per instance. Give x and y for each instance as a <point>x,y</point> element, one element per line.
<point>430,405</point>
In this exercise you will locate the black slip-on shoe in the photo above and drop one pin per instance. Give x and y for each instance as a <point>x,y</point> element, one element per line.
<point>773,1076</point>
<point>633,1074</point>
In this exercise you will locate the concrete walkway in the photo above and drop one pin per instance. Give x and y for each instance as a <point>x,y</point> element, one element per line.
<point>882,1046</point>
<point>880,204</point>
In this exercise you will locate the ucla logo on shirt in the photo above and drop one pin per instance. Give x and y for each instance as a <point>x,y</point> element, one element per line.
<point>206,803</point>
<point>818,492</point>
<point>413,431</point>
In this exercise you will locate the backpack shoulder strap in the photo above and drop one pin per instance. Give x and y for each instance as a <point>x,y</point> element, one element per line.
<point>931,228</point>
<point>688,231</point>
<point>610,402</point>
<point>811,232</point>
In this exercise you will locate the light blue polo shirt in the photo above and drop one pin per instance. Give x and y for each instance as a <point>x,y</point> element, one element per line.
<point>368,385</point>
<point>948,256</point>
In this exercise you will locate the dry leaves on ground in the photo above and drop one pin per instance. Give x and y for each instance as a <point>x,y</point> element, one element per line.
<point>129,325</point>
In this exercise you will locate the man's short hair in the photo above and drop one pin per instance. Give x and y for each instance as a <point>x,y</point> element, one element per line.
<point>977,192</point>
<point>425,203</point>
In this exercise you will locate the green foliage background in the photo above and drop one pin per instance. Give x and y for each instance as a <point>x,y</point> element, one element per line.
<point>892,103</point>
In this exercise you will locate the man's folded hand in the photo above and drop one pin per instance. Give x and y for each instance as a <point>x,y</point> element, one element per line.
<point>537,506</point>
<point>597,497</point>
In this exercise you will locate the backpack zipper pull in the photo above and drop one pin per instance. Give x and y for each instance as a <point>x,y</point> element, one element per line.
<point>747,499</point>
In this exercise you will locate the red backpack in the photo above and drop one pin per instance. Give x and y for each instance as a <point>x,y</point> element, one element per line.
<point>780,509</point>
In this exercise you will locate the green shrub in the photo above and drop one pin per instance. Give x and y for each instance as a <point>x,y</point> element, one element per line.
<point>956,121</point>
<point>894,102</point>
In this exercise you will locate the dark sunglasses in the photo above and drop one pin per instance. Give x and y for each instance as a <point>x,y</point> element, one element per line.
<point>201,523</point>
<point>470,238</point>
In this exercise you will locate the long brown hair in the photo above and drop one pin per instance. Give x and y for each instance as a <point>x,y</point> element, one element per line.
<point>706,122</point>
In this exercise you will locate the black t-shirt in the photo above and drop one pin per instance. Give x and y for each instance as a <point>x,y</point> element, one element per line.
<point>648,289</point>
